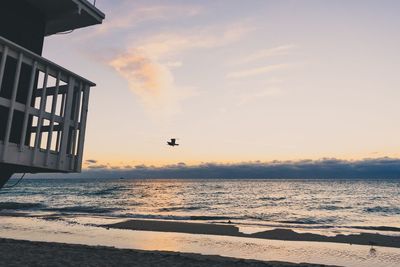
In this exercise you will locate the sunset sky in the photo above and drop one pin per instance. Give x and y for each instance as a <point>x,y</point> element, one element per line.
<point>238,81</point>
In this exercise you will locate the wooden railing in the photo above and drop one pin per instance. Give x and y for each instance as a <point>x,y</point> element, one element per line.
<point>43,111</point>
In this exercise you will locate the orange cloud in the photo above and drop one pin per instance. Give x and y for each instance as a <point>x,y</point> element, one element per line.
<point>146,77</point>
<point>152,81</point>
<point>147,66</point>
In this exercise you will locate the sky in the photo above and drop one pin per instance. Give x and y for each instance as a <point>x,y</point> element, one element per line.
<point>238,81</point>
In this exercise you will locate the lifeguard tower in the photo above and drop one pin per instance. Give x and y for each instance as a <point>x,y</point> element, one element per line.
<point>43,106</point>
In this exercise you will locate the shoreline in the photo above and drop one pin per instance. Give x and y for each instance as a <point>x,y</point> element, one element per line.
<point>275,234</point>
<point>28,253</point>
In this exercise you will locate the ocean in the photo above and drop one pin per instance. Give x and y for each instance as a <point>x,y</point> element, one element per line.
<point>325,206</point>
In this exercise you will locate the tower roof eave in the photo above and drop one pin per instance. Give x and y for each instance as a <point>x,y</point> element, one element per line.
<point>66,15</point>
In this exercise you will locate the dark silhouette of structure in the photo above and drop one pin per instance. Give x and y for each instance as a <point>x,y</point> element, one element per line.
<point>172,142</point>
<point>43,106</point>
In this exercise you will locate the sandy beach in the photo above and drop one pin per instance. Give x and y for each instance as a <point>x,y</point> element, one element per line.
<point>28,253</point>
<point>275,234</point>
<point>84,241</point>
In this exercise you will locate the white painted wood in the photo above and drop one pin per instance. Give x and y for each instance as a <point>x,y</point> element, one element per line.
<point>12,105</point>
<point>3,63</point>
<point>77,105</point>
<point>82,132</point>
<point>27,105</point>
<point>53,114</point>
<point>66,124</point>
<point>34,158</point>
<point>38,136</point>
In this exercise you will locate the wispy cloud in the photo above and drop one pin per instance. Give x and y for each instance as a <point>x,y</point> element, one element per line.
<point>281,50</point>
<point>249,97</point>
<point>167,44</point>
<point>245,73</point>
<point>148,65</point>
<point>129,15</point>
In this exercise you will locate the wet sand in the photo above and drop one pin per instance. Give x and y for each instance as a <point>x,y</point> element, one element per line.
<point>275,234</point>
<point>29,253</point>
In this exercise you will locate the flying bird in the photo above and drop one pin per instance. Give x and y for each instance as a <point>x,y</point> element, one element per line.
<point>172,142</point>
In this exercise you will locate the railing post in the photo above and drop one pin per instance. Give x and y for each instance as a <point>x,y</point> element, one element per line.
<point>3,64</point>
<point>27,107</point>
<point>76,124</point>
<point>82,128</point>
<point>62,110</point>
<point>12,105</point>
<point>53,115</point>
<point>43,100</point>
<point>66,123</point>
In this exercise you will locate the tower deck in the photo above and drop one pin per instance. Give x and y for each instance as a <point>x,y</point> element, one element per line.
<point>43,111</point>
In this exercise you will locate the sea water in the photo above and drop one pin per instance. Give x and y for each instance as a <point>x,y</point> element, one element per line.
<point>325,206</point>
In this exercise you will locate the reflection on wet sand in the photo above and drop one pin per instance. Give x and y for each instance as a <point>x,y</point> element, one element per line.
<point>275,234</point>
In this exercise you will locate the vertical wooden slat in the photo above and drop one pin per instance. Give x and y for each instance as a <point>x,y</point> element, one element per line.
<point>58,141</point>
<point>76,123</point>
<point>27,106</point>
<point>66,124</point>
<point>82,128</point>
<point>43,100</point>
<point>62,110</point>
<point>12,105</point>
<point>3,64</point>
<point>53,114</point>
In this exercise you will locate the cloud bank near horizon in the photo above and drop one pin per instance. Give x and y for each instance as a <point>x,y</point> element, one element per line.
<point>323,168</point>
